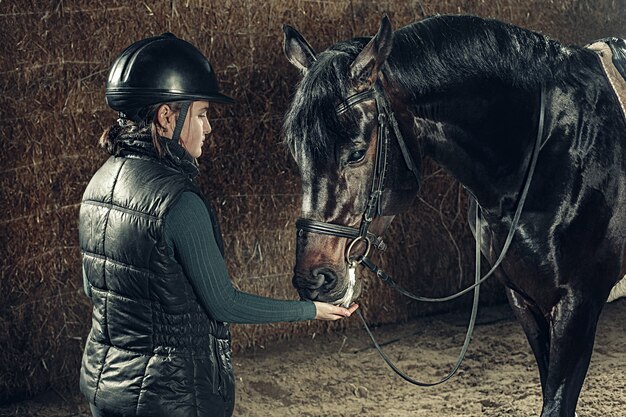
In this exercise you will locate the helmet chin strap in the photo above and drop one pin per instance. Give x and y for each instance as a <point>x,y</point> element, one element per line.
<point>180,121</point>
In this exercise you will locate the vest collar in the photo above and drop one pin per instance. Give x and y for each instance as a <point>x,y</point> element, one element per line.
<point>175,156</point>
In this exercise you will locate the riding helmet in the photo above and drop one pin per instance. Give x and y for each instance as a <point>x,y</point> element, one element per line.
<point>158,70</point>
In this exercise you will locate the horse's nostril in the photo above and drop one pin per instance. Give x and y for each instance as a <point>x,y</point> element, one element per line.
<point>318,279</point>
<point>317,284</point>
<point>324,277</point>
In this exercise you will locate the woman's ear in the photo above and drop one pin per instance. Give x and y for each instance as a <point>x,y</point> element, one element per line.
<point>166,120</point>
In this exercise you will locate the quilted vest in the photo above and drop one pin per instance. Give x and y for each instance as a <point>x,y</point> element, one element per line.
<point>152,350</point>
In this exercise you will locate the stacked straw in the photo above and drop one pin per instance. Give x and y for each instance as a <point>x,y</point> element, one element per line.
<point>54,64</point>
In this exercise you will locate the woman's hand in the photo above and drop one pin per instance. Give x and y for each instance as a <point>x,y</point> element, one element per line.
<point>327,311</point>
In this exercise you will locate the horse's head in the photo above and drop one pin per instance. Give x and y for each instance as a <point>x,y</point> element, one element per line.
<point>332,128</point>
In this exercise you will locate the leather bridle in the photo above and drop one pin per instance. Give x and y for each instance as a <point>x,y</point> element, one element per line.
<point>374,208</point>
<point>374,203</point>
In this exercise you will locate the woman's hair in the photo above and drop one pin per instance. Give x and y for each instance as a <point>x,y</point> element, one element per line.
<point>149,124</point>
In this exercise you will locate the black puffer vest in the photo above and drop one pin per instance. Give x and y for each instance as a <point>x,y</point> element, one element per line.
<point>152,350</point>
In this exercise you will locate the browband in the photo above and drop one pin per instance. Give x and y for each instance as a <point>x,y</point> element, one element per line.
<point>354,99</point>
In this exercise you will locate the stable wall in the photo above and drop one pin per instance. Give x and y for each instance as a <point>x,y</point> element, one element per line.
<point>54,61</point>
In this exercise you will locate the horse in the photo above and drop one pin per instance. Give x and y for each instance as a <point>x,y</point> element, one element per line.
<point>519,119</point>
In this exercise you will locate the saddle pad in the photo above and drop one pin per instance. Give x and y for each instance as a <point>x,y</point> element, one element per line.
<point>612,53</point>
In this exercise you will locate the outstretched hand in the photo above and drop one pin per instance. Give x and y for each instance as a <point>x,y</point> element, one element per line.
<point>325,311</point>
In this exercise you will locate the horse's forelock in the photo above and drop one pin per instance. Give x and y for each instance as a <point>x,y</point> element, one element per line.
<point>311,125</point>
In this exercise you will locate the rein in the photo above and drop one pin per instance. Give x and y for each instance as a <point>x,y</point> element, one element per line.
<point>374,208</point>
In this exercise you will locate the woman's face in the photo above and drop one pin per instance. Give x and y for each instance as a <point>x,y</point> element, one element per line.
<point>195,129</point>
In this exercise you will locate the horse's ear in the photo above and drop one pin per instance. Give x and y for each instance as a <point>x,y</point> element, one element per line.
<point>297,49</point>
<point>365,68</point>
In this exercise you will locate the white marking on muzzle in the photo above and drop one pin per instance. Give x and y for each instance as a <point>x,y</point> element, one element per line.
<point>347,297</point>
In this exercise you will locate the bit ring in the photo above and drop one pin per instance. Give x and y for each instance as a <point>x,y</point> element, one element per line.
<point>358,260</point>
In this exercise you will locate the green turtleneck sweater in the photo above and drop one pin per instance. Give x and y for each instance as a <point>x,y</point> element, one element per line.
<point>189,234</point>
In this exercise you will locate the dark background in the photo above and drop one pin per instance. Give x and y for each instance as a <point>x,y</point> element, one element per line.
<point>54,61</point>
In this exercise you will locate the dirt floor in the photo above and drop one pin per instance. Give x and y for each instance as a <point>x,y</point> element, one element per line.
<point>341,375</point>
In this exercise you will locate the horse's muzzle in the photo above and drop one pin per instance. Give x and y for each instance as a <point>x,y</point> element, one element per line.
<point>322,284</point>
<point>319,282</point>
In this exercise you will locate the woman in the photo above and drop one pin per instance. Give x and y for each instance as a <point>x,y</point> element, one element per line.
<point>152,252</point>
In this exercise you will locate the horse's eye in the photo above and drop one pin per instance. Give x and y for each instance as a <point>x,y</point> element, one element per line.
<point>356,156</point>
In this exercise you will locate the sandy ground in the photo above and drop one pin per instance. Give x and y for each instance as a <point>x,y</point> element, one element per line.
<point>341,375</point>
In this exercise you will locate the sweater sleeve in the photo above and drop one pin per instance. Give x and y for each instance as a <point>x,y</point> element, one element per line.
<point>189,234</point>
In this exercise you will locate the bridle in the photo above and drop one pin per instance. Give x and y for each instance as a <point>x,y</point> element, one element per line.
<point>386,118</point>
<point>374,203</point>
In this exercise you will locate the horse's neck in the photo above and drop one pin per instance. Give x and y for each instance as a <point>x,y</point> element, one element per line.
<point>482,135</point>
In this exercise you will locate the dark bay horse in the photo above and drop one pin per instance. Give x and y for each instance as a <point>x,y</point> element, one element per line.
<point>479,97</point>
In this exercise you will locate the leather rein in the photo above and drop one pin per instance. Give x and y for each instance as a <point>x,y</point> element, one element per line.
<point>387,120</point>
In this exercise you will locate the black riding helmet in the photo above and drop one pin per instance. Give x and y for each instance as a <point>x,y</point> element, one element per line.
<point>158,70</point>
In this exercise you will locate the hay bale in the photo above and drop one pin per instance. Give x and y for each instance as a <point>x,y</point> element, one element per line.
<point>54,65</point>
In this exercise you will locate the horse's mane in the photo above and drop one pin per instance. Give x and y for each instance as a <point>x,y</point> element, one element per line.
<point>445,51</point>
<point>450,50</point>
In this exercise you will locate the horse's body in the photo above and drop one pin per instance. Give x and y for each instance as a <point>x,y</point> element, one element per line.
<point>467,92</point>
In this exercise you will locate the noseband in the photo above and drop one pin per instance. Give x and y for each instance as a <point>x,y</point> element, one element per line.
<point>374,208</point>
<point>374,203</point>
